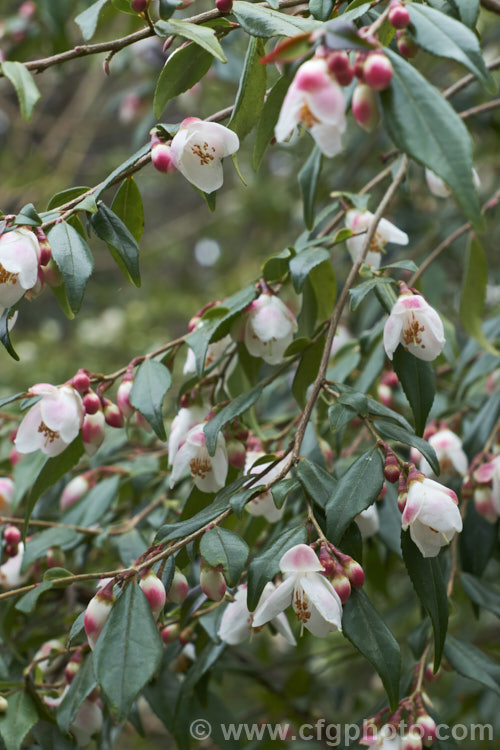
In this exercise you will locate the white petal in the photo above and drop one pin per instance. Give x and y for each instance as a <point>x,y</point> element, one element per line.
<point>428,542</point>
<point>300,559</point>
<point>328,138</point>
<point>278,601</point>
<point>391,233</point>
<point>368,521</point>
<point>393,330</point>
<point>28,438</point>
<point>324,598</point>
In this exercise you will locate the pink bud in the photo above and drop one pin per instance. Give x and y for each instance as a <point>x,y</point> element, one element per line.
<point>427,729</point>
<point>123,398</point>
<point>328,562</point>
<point>43,244</point>
<point>74,491</point>
<point>73,666</point>
<point>12,535</point>
<point>93,432</point>
<point>81,381</point>
<point>170,633</point>
<point>139,6</point>
<point>429,673</point>
<point>406,45</point>
<point>341,584</point>
<point>27,9</point>
<point>399,16</point>
<point>6,491</point>
<point>55,557</point>
<point>338,62</point>
<point>411,741</point>
<point>179,588</point>
<point>11,550</point>
<point>154,591</point>
<point>224,6</point>
<point>212,583</point>
<point>384,393</point>
<point>112,414</point>
<point>378,71</point>
<point>161,157</point>
<point>91,403</point>
<point>236,454</point>
<point>354,571</point>
<point>391,469</point>
<point>97,612</point>
<point>359,65</point>
<point>364,107</point>
<point>15,457</point>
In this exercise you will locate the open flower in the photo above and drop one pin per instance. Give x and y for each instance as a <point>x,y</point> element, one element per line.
<point>263,504</point>
<point>269,328</point>
<point>19,253</point>
<point>360,222</point>
<point>315,101</point>
<point>431,512</point>
<point>197,151</point>
<point>314,600</point>
<point>236,623</point>
<point>449,452</point>
<point>368,521</point>
<point>53,422</point>
<point>208,472</point>
<point>184,421</point>
<point>415,325</point>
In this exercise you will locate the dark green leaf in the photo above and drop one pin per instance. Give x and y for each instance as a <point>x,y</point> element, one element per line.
<point>342,33</point>
<point>185,67</point>
<point>5,333</point>
<point>359,292</point>
<point>477,542</point>
<point>39,544</point>
<point>80,688</point>
<point>392,431</point>
<point>276,267</point>
<point>121,242</point>
<point>308,183</point>
<point>227,549</point>
<point>307,371</point>
<point>241,498</point>
<point>317,482</point>
<point>128,651</point>
<point>321,9</point>
<point>324,286</point>
<point>26,88</point>
<point>73,258</point>
<point>20,716</point>
<point>251,91</point>
<point>427,578</point>
<point>470,662</point>
<point>202,35</point>
<point>257,20</point>
<point>418,382</point>
<point>241,404</point>
<point>268,119</point>
<point>127,205</point>
<point>303,263</point>
<point>473,294</point>
<point>266,565</point>
<point>28,216</point>
<point>27,603</point>
<point>358,488</point>
<point>483,594</point>
<point>340,415</point>
<point>87,20</point>
<point>281,491</point>
<point>468,10</point>
<point>151,383</point>
<point>95,503</point>
<point>366,630</point>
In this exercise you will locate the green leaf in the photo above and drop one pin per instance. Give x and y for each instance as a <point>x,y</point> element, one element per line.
<point>482,594</point>
<point>308,183</point>
<point>53,573</point>
<point>227,549</point>
<point>307,370</point>
<point>317,482</point>
<point>118,172</point>
<point>268,119</point>
<point>473,294</point>
<point>127,205</point>
<point>324,284</point>
<point>241,404</point>
<point>340,415</point>
<point>87,20</point>
<point>303,263</point>
<point>241,498</point>
<point>94,504</point>
<point>80,688</point>
<point>402,435</point>
<point>5,333</point>
<point>418,382</point>
<point>73,258</point>
<point>120,241</point>
<point>359,292</point>
<point>422,123</point>
<point>266,564</point>
<point>26,88</point>
<point>128,651</point>
<point>470,662</point>
<point>321,9</point>
<point>427,579</point>
<point>151,383</point>
<point>477,541</point>
<point>257,20</point>
<point>185,67</point>
<point>468,10</point>
<point>251,91</point>
<point>20,716</point>
<point>357,489</point>
<point>363,626</point>
<point>65,196</point>
<point>443,36</point>
<point>276,267</point>
<point>27,603</point>
<point>28,216</point>
<point>281,491</point>
<point>202,35</point>
<point>477,431</point>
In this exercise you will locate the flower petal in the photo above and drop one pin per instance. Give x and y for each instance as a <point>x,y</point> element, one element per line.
<point>279,600</point>
<point>300,559</point>
<point>324,598</point>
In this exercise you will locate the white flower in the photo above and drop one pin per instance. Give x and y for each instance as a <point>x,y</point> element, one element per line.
<point>449,452</point>
<point>236,623</point>
<point>315,101</point>
<point>184,421</point>
<point>198,149</point>
<point>10,571</point>
<point>368,521</point>
<point>269,328</point>
<point>415,325</point>
<point>208,472</point>
<point>214,353</point>
<point>314,600</point>
<point>53,422</point>
<point>87,722</point>
<point>440,189</point>
<point>386,738</point>
<point>263,504</point>
<point>360,222</point>
<point>431,512</point>
<point>19,253</point>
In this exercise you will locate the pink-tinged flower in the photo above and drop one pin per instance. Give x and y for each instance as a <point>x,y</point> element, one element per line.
<point>483,502</point>
<point>123,397</point>
<point>93,432</point>
<point>411,740</point>
<point>449,452</point>
<point>377,71</point>
<point>364,107</point>
<point>236,623</point>
<point>53,422</point>
<point>313,598</point>
<point>440,189</point>
<point>53,646</point>
<point>386,738</point>
<point>74,491</point>
<point>269,328</point>
<point>154,591</point>
<point>431,512</point>
<point>19,254</point>
<point>263,504</point>
<point>6,495</point>
<point>360,222</point>
<point>87,722</point>
<point>315,101</point>
<point>97,612</point>
<point>208,472</point>
<point>368,521</point>
<point>415,325</point>
<point>10,571</point>
<point>197,151</point>
<point>184,421</point>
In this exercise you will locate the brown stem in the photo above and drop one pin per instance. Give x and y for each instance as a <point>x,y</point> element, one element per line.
<point>480,109</point>
<point>468,79</point>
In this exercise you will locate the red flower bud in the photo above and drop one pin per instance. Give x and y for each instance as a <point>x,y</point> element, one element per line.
<point>154,591</point>
<point>139,6</point>
<point>391,469</point>
<point>212,582</point>
<point>170,633</point>
<point>378,71</point>
<point>406,45</point>
<point>224,6</point>
<point>338,62</point>
<point>364,107</point>
<point>112,414</point>
<point>91,403</point>
<point>179,588</point>
<point>81,381</point>
<point>399,16</point>
<point>12,535</point>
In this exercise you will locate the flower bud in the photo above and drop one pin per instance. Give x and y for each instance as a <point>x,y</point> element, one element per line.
<point>123,398</point>
<point>483,503</point>
<point>97,612</point>
<point>3,704</point>
<point>378,71</point>
<point>364,107</point>
<point>341,584</point>
<point>112,414</point>
<point>327,561</point>
<point>93,432</point>
<point>338,62</point>
<point>91,403</point>
<point>212,583</point>
<point>411,741</point>
<point>52,274</point>
<point>346,77</point>
<point>391,469</point>
<point>179,588</point>
<point>406,45</point>
<point>399,16</point>
<point>236,453</point>
<point>384,393</point>
<point>139,6</point>
<point>427,729</point>
<point>11,550</point>
<point>402,493</point>
<point>224,6</point>
<point>73,666</point>
<point>170,633</point>
<point>45,253</point>
<point>74,491</point>
<point>359,65</point>
<point>430,676</point>
<point>55,557</point>
<point>161,155</point>
<point>12,535</point>
<point>81,381</point>
<point>154,591</point>
<point>353,570</point>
